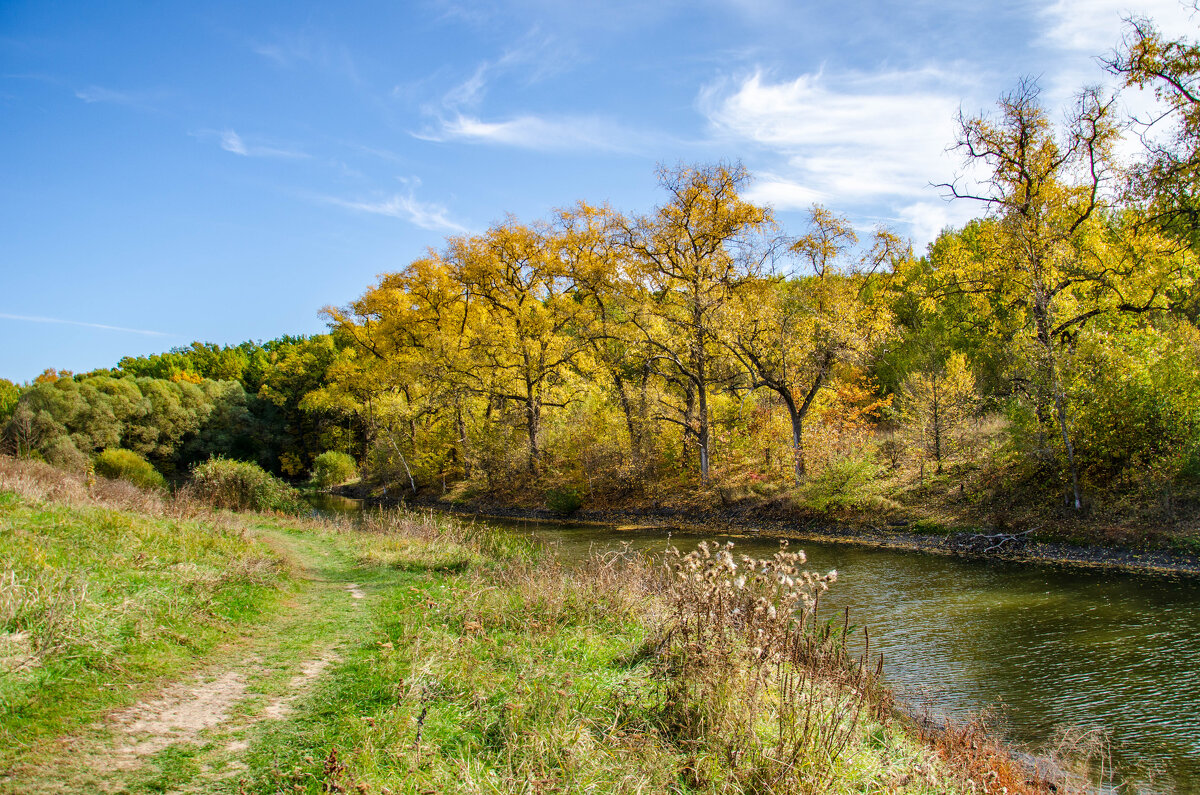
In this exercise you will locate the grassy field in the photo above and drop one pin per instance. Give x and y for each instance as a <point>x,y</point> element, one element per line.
<point>161,648</point>
<point>96,601</point>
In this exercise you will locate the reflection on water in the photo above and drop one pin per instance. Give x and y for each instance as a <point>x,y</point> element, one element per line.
<point>334,505</point>
<point>1048,647</point>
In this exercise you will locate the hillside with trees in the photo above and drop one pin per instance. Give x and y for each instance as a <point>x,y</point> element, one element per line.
<point>1039,364</point>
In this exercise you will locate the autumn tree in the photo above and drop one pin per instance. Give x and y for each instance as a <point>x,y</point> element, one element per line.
<point>408,332</point>
<point>599,269</point>
<point>690,257</point>
<point>790,335</point>
<point>935,399</point>
<point>1166,179</point>
<point>1041,189</point>
<point>523,328</point>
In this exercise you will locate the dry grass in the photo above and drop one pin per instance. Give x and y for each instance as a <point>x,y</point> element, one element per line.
<point>510,671</point>
<point>775,700</point>
<point>37,480</point>
<point>976,762</point>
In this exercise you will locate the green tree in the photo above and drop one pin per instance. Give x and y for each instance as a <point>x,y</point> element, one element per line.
<point>10,393</point>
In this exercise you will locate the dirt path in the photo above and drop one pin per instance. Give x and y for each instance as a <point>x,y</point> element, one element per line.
<point>190,735</point>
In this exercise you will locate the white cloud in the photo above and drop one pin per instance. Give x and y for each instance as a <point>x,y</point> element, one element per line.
<point>926,219</point>
<point>456,115</point>
<point>231,142</point>
<point>541,134</point>
<point>103,326</point>
<point>868,142</point>
<point>1079,33</point>
<point>406,207</point>
<point>308,47</point>
<point>782,193</point>
<point>1094,26</point>
<point>99,94</point>
<point>868,135</point>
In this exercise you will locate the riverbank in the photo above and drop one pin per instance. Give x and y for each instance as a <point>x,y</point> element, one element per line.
<point>419,654</point>
<point>1023,546</point>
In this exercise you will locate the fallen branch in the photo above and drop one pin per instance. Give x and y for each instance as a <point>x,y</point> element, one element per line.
<point>1004,539</point>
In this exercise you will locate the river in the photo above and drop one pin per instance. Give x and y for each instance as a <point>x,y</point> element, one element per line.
<point>1042,647</point>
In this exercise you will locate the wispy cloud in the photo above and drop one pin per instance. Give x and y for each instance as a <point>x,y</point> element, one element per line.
<point>232,142</point>
<point>1094,26</point>
<point>542,134</point>
<point>456,115</point>
<point>103,326</point>
<point>1077,33</point>
<point>866,139</point>
<point>308,47</point>
<point>406,207</point>
<point>99,94</point>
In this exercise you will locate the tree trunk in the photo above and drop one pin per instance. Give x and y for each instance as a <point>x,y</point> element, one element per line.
<point>701,378</point>
<point>635,445</point>
<point>1053,383</point>
<point>460,427</point>
<point>797,441</point>
<point>1060,409</point>
<point>533,418</point>
<point>937,426</point>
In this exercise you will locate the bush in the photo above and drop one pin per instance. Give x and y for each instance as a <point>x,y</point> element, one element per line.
<point>62,453</point>
<point>333,468</point>
<point>117,464</point>
<point>565,500</point>
<point>846,483</point>
<point>243,486</point>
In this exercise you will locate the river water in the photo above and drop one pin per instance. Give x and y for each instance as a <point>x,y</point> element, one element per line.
<point>1042,647</point>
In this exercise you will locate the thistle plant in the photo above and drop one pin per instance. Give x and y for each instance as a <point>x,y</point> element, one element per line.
<point>752,677</point>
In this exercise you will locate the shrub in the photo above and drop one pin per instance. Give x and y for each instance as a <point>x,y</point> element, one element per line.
<point>564,500</point>
<point>333,468</point>
<point>753,676</point>
<point>117,464</point>
<point>243,486</point>
<point>62,453</point>
<point>846,483</point>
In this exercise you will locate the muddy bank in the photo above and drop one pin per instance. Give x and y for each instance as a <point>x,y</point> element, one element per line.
<point>1019,546</point>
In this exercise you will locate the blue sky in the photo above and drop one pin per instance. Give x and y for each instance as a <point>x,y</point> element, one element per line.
<point>221,171</point>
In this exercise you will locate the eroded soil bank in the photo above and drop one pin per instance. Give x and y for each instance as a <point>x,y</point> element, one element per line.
<point>1019,545</point>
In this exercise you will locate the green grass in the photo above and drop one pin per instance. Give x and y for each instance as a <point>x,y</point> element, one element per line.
<point>95,602</point>
<point>510,689</point>
<point>472,663</point>
<point>523,677</point>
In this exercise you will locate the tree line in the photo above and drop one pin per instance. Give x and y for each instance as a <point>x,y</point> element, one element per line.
<point>604,355</point>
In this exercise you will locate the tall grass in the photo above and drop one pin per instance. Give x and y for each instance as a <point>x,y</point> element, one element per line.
<point>774,699</point>
<point>37,480</point>
<point>519,673</point>
<point>105,587</point>
<point>487,666</point>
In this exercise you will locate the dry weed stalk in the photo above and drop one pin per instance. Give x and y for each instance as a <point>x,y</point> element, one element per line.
<point>750,671</point>
<point>977,762</point>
